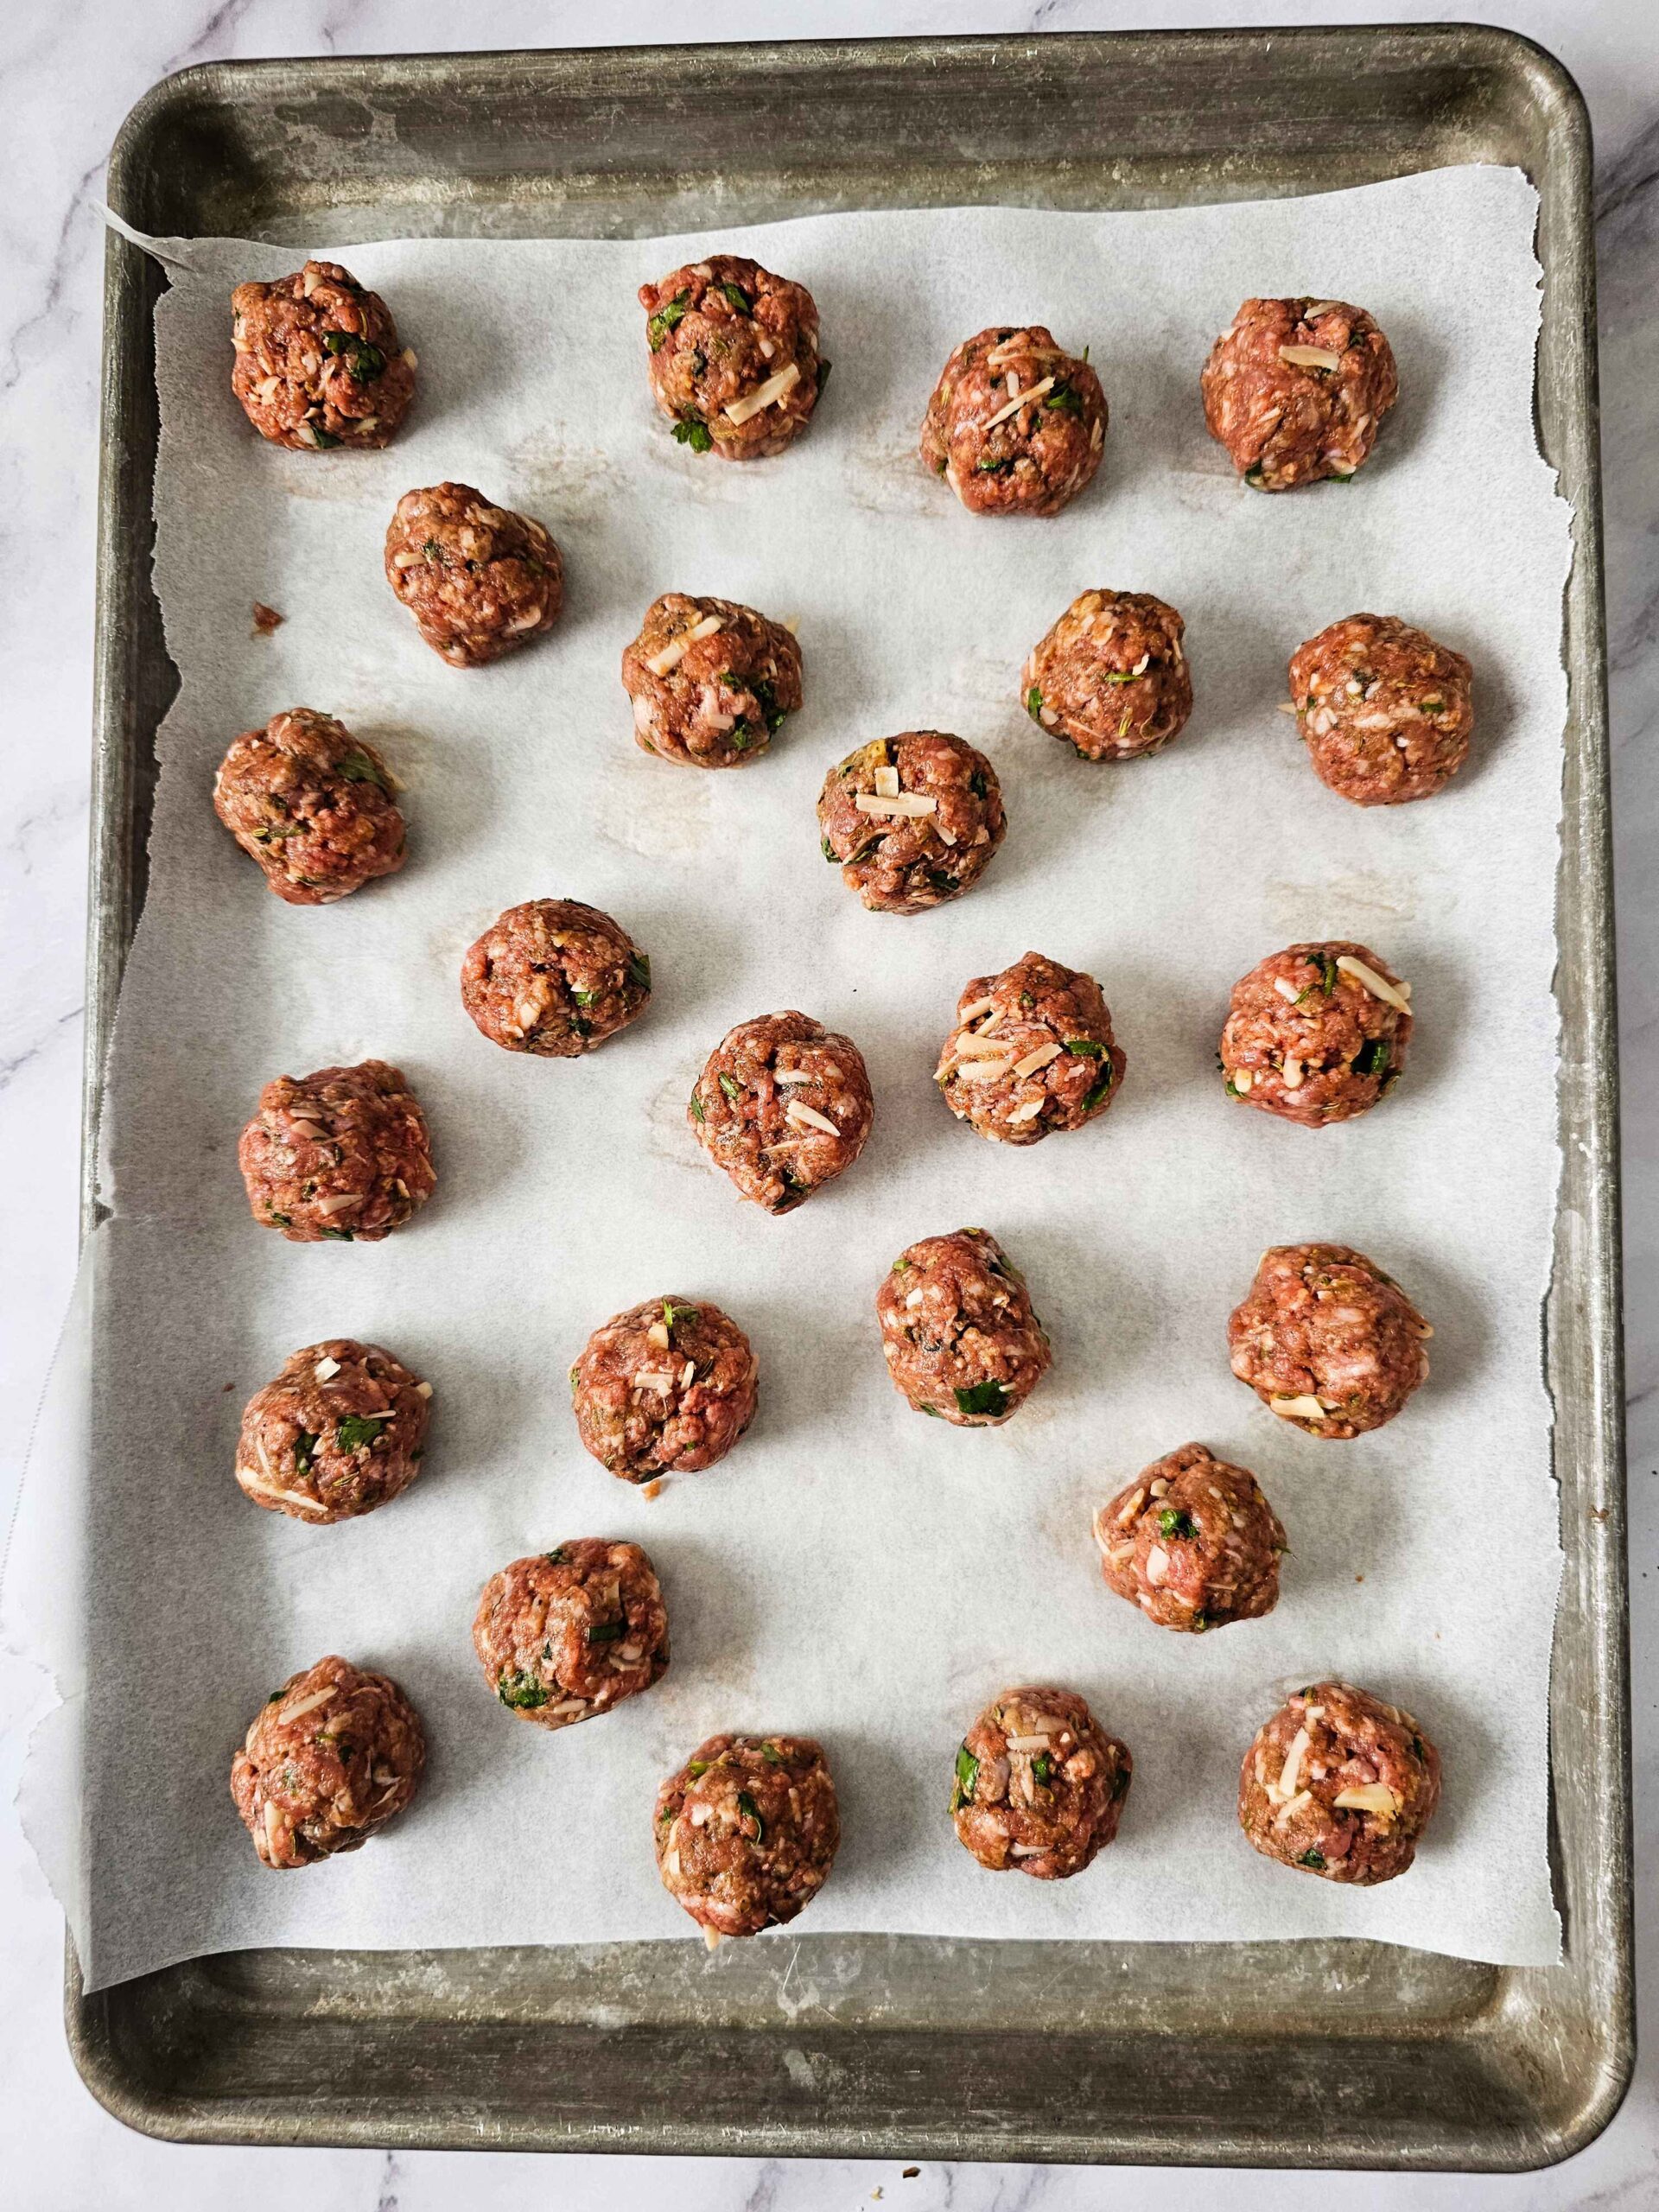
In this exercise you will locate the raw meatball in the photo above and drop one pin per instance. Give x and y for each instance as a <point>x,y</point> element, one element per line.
<point>746,1832</point>
<point>914,820</point>
<point>340,1431</point>
<point>333,1756</point>
<point>1032,1051</point>
<point>341,1154</point>
<point>1385,710</point>
<point>317,360</point>
<point>1040,1785</point>
<point>1110,677</point>
<point>313,804</point>
<point>960,1337</point>
<point>667,1388</point>
<point>734,356</point>
<point>1316,1033</point>
<point>555,977</point>
<point>1296,390</point>
<point>1015,424</point>
<point>1328,1341</point>
<point>784,1106</point>
<point>1192,1541</point>
<point>479,581</point>
<point>1341,1783</point>
<point>710,680</point>
<point>567,1634</point>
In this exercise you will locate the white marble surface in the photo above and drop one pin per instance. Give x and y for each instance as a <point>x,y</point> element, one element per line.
<point>67,76</point>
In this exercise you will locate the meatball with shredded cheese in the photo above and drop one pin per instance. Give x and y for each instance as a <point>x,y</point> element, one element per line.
<point>1317,1034</point>
<point>317,361</point>
<point>1193,1542</point>
<point>313,805</point>
<point>1296,390</point>
<point>1328,1341</point>
<point>480,580</point>
<point>1111,677</point>
<point>912,820</point>
<point>959,1335</point>
<point>783,1105</point>
<point>746,1832</point>
<point>1031,1052</point>
<point>339,1156</point>
<point>1016,424</point>
<point>667,1388</point>
<point>1339,1783</point>
<point>1040,1785</point>
<point>566,1635</point>
<point>1384,710</point>
<point>711,682</point>
<point>734,356</point>
<point>331,1757</point>
<point>554,977</point>
<point>341,1430</point>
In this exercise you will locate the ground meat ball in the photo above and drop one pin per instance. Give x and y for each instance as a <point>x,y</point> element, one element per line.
<point>1316,1033</point>
<point>1192,1541</point>
<point>317,360</point>
<point>1031,1052</point>
<point>1328,1341</point>
<point>960,1337</point>
<point>311,805</point>
<point>331,1757</point>
<point>567,1634</point>
<point>555,977</point>
<point>746,1832</point>
<point>1385,711</point>
<point>1111,677</point>
<point>1015,424</point>
<point>1040,1786</point>
<point>734,356</point>
<point>1340,1783</point>
<point>667,1388</point>
<point>1296,390</point>
<point>340,1431</point>
<point>784,1106</point>
<point>479,581</point>
<point>342,1154</point>
<point>914,820</point>
<point>710,680</point>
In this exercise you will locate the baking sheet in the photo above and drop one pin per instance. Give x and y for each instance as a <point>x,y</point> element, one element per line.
<point>844,1571</point>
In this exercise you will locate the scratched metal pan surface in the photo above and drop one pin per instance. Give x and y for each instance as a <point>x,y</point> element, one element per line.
<point>1283,2054</point>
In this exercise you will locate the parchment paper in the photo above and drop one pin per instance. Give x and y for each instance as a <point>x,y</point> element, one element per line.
<point>851,1571</point>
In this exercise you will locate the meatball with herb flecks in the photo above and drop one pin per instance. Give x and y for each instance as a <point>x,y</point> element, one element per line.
<point>1339,1783</point>
<point>667,1388</point>
<point>734,356</point>
<point>783,1105</point>
<point>1016,424</point>
<point>565,1635</point>
<point>1032,1052</point>
<point>913,820</point>
<point>1328,1341</point>
<point>311,805</point>
<point>341,1430</point>
<point>1316,1033</point>
<point>746,1832</point>
<point>1296,391</point>
<point>1383,709</point>
<point>711,682</point>
<point>480,581</point>
<point>331,1757</point>
<point>959,1335</point>
<point>1040,1785</point>
<point>554,977</point>
<point>1193,1542</point>
<point>1111,677</point>
<point>317,360</point>
<point>339,1156</point>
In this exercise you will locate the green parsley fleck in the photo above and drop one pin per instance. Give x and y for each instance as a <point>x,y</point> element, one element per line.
<point>731,1086</point>
<point>1313,1858</point>
<point>671,1313</point>
<point>1373,1056</point>
<point>767,694</point>
<point>771,1755</point>
<point>358,768</point>
<point>365,361</point>
<point>697,1768</point>
<point>1254,478</point>
<point>967,1775</point>
<point>985,467</point>
<point>305,1446</point>
<point>748,1810</point>
<point>608,1631</point>
<point>977,785</point>
<point>664,319</point>
<point>639,970</point>
<point>558,1557</point>
<point>584,998</point>
<point>934,1410</point>
<point>355,1429</point>
<point>1042,1769</point>
<point>1033,703</point>
<point>323,438</point>
<point>739,298</point>
<point>1173,1523</point>
<point>521,1691</point>
<point>1092,1098</point>
<point>338,1235</point>
<point>698,1114</point>
<point>688,431</point>
<point>1064,400</point>
<point>1088,1046</point>
<point>281,1220</point>
<point>986,1397</point>
<point>826,848</point>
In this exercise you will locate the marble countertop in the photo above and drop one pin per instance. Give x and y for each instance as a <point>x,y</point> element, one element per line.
<point>67,76</point>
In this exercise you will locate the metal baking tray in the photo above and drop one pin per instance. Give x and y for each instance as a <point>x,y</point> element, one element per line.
<point>1285,2054</point>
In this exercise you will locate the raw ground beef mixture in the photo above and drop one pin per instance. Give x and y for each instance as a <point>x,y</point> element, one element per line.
<point>1339,1783</point>
<point>1384,710</point>
<point>331,1757</point>
<point>480,580</point>
<point>1016,424</point>
<point>1193,1542</point>
<point>961,1340</point>
<point>311,805</point>
<point>339,1156</point>
<point>667,1388</point>
<point>1316,1033</point>
<point>1032,1052</point>
<point>734,356</point>
<point>746,1831</point>
<point>341,1430</point>
<point>565,1635</point>
<point>1039,1785</point>
<point>1296,390</point>
<point>554,977</point>
<point>711,682</point>
<point>317,360</point>
<point>783,1105</point>
<point>1111,677</point>
<point>912,820</point>
<point>1328,1341</point>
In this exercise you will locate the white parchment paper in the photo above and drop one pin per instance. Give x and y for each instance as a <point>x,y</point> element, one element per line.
<point>851,1571</point>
